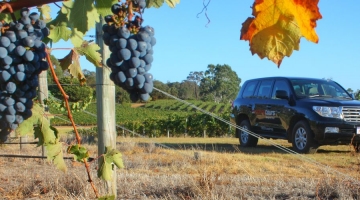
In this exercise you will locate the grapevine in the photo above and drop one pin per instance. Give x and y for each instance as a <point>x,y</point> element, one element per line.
<point>22,59</point>
<point>131,47</point>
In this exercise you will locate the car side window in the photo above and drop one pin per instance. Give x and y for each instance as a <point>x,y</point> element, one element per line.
<point>249,89</point>
<point>280,85</point>
<point>265,89</point>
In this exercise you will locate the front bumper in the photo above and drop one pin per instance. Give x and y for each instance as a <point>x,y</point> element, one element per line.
<point>347,131</point>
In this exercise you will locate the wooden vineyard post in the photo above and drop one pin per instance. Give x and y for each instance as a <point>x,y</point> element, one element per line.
<point>43,94</point>
<point>105,104</point>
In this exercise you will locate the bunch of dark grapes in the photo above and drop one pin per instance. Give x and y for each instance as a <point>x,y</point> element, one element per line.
<point>131,55</point>
<point>22,58</point>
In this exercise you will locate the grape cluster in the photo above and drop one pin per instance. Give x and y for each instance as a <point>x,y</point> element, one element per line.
<point>131,54</point>
<point>22,58</point>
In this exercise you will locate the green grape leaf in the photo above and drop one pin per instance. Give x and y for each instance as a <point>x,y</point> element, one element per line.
<point>79,152</point>
<point>76,37</point>
<point>38,135</point>
<point>43,128</point>
<point>103,6</point>
<point>114,156</point>
<point>159,3</point>
<point>111,156</point>
<point>59,32</point>
<point>27,126</point>
<point>55,154</point>
<point>7,18</point>
<point>90,50</point>
<point>82,14</point>
<point>59,28</point>
<point>155,3</point>
<point>71,62</point>
<point>105,170</point>
<point>46,134</point>
<point>45,12</point>
<point>56,132</point>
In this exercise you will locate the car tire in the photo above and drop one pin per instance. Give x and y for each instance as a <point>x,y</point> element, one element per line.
<point>302,138</point>
<point>356,147</point>
<point>245,139</point>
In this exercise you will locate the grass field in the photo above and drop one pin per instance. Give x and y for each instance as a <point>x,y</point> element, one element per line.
<point>191,168</point>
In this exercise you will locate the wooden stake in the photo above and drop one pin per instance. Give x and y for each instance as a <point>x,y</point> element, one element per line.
<point>105,98</point>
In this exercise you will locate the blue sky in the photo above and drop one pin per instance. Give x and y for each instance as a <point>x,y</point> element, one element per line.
<point>185,43</point>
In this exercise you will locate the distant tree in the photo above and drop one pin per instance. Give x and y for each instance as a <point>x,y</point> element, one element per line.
<point>350,90</point>
<point>90,77</point>
<point>121,95</point>
<point>174,88</point>
<point>357,94</point>
<point>186,90</point>
<point>196,77</point>
<point>58,71</point>
<point>220,84</point>
<point>73,89</point>
<point>161,86</point>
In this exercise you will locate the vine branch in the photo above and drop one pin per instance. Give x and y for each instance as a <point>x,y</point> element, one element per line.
<point>205,10</point>
<point>7,6</point>
<point>77,135</point>
<point>17,5</point>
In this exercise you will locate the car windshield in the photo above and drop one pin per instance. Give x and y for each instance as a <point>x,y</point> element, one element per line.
<point>318,88</point>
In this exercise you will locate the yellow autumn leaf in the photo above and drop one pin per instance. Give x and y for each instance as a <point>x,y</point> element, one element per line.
<point>278,25</point>
<point>172,3</point>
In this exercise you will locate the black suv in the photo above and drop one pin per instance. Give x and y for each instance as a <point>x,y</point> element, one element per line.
<point>307,112</point>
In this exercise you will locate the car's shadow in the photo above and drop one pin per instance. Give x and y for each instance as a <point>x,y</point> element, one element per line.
<point>234,148</point>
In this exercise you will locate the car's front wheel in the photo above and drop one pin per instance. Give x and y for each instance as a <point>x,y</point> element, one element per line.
<point>302,138</point>
<point>245,139</point>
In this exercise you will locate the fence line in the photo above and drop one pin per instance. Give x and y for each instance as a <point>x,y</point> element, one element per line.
<point>20,143</point>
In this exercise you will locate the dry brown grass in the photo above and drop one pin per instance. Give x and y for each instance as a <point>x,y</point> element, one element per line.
<point>195,168</point>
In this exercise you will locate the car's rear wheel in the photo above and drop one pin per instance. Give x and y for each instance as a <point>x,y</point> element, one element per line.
<point>302,138</point>
<point>245,139</point>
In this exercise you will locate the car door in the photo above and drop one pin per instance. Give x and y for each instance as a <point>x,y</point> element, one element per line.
<point>262,110</point>
<point>280,109</point>
<point>249,101</point>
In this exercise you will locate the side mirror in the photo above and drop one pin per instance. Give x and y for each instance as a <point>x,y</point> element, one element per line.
<point>281,94</point>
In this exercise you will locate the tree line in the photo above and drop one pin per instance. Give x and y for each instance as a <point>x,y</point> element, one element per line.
<point>218,83</point>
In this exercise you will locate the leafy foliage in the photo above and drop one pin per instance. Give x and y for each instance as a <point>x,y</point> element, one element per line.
<point>79,152</point>
<point>159,3</point>
<point>80,96</point>
<point>71,61</point>
<point>111,157</point>
<point>220,84</point>
<point>81,14</point>
<point>73,89</point>
<point>89,50</point>
<point>277,26</point>
<point>39,124</point>
<point>45,12</point>
<point>196,77</point>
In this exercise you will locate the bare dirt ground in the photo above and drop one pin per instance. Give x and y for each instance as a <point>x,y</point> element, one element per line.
<point>216,169</point>
<point>136,105</point>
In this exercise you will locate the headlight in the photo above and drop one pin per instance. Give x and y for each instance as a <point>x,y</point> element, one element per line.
<point>334,112</point>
